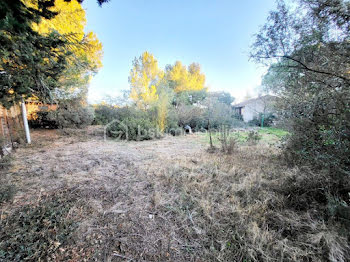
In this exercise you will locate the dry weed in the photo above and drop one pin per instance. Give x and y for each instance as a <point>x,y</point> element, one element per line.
<point>240,208</point>
<point>169,200</point>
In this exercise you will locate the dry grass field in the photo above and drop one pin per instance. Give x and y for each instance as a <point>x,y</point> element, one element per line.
<point>70,196</point>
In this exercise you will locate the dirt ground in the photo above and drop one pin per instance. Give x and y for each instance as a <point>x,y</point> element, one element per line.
<point>71,196</point>
<point>55,159</point>
<point>115,182</point>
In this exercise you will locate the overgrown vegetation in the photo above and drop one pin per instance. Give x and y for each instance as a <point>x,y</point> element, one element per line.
<point>133,128</point>
<point>178,113</point>
<point>267,195</point>
<point>253,137</point>
<point>167,100</point>
<point>315,97</point>
<point>308,55</point>
<point>70,114</point>
<point>44,119</point>
<point>5,162</point>
<point>228,143</point>
<point>105,113</point>
<point>263,120</point>
<point>73,114</point>
<point>248,205</point>
<point>7,192</point>
<point>268,135</point>
<point>39,231</point>
<point>267,215</point>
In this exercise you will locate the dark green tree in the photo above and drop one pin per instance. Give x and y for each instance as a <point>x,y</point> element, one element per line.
<point>30,63</point>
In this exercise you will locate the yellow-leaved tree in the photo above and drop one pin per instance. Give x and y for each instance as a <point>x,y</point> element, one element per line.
<point>86,48</point>
<point>185,79</point>
<point>144,79</point>
<point>196,78</point>
<point>151,87</point>
<point>163,104</point>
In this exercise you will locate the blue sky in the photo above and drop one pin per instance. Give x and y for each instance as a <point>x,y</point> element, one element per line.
<point>214,33</point>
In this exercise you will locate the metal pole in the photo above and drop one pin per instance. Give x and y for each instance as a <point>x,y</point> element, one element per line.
<point>25,121</point>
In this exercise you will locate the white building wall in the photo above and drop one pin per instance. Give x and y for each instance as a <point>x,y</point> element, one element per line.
<point>253,109</point>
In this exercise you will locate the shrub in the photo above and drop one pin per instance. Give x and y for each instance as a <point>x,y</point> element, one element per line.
<point>193,116</point>
<point>73,115</point>
<point>172,120</point>
<point>219,114</point>
<point>70,114</point>
<point>176,131</point>
<point>269,119</point>
<point>104,114</point>
<point>6,192</point>
<point>128,123</point>
<point>239,123</point>
<point>253,137</point>
<point>133,128</point>
<point>44,119</point>
<point>228,143</point>
<point>316,95</point>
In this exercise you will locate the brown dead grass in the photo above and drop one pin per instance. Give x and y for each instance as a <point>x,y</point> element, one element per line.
<point>170,200</point>
<point>237,212</point>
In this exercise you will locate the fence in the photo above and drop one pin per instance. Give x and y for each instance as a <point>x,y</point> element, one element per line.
<point>11,128</point>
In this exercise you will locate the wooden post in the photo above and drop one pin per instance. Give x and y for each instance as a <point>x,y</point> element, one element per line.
<point>210,139</point>
<point>8,129</point>
<point>25,121</point>
<point>2,131</point>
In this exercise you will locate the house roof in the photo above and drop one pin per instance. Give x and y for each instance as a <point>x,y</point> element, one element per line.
<point>266,98</point>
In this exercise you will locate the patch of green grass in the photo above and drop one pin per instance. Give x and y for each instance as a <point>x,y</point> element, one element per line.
<point>269,135</point>
<point>280,133</point>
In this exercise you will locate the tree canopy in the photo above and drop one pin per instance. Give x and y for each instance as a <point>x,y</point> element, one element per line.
<point>147,80</point>
<point>307,49</point>
<point>145,77</point>
<point>223,97</point>
<point>30,63</point>
<point>183,79</point>
<point>43,46</point>
<point>86,58</point>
